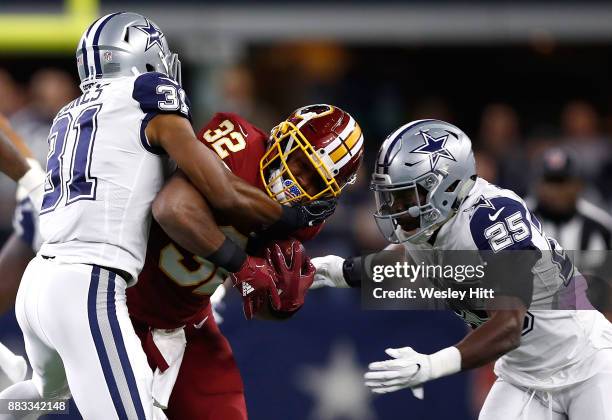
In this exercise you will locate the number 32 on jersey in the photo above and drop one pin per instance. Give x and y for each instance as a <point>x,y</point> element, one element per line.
<point>225,139</point>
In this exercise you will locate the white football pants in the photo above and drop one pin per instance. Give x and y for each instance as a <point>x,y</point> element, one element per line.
<point>79,339</point>
<point>587,400</point>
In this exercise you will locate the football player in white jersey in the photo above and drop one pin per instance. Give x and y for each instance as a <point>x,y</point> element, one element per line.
<point>553,364</point>
<point>107,160</point>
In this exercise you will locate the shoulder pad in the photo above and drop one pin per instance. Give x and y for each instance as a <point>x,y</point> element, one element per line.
<point>157,93</point>
<point>499,223</point>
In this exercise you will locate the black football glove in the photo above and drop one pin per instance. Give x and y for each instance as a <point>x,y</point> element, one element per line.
<point>298,217</point>
<point>315,212</point>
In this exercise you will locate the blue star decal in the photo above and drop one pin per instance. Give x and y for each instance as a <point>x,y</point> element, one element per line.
<point>481,202</point>
<point>154,35</point>
<point>434,148</point>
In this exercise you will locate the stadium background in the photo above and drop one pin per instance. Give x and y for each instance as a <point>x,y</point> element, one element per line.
<point>518,77</point>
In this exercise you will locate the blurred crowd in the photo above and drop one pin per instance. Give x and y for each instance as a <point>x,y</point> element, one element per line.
<point>506,153</point>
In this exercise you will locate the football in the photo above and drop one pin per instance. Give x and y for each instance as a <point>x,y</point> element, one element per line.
<point>269,313</point>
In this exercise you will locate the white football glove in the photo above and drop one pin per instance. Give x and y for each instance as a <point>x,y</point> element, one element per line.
<point>409,368</point>
<point>329,272</point>
<point>31,184</point>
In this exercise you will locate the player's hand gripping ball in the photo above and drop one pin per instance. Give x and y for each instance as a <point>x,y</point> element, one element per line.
<point>294,276</point>
<point>256,281</point>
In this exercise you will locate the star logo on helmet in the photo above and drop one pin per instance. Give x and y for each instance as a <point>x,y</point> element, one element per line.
<point>435,148</point>
<point>154,35</point>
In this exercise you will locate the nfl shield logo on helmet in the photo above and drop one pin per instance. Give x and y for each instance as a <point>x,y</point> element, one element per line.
<point>108,56</point>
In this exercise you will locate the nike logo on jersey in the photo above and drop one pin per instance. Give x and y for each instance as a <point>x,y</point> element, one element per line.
<point>495,215</point>
<point>168,79</point>
<point>246,289</point>
<point>242,131</point>
<point>199,324</point>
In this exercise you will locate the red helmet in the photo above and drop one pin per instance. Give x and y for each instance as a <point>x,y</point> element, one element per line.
<point>331,141</point>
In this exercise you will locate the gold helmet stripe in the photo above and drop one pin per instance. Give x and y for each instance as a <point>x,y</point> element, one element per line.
<point>348,157</point>
<point>342,150</point>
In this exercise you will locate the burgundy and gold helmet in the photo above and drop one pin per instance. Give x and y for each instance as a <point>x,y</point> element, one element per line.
<point>323,136</point>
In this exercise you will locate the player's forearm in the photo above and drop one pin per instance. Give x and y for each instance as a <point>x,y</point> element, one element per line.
<point>496,337</point>
<point>14,138</point>
<point>12,163</point>
<point>186,217</point>
<point>239,201</point>
<point>254,205</point>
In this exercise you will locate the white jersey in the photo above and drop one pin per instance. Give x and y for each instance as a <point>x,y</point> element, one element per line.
<point>103,175</point>
<point>556,345</point>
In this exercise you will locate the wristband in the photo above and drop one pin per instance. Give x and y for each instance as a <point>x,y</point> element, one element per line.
<point>445,362</point>
<point>352,271</point>
<point>228,256</point>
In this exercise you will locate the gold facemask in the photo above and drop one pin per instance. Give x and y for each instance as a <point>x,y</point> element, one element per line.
<point>279,182</point>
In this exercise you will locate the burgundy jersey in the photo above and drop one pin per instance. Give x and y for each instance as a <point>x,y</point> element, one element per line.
<point>174,286</point>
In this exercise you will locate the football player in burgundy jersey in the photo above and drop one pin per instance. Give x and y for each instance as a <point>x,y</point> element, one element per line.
<point>314,154</point>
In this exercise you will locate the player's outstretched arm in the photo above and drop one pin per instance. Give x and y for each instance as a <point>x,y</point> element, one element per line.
<point>410,369</point>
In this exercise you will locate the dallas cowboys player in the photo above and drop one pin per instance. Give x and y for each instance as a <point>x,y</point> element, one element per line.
<point>553,364</point>
<point>105,165</point>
